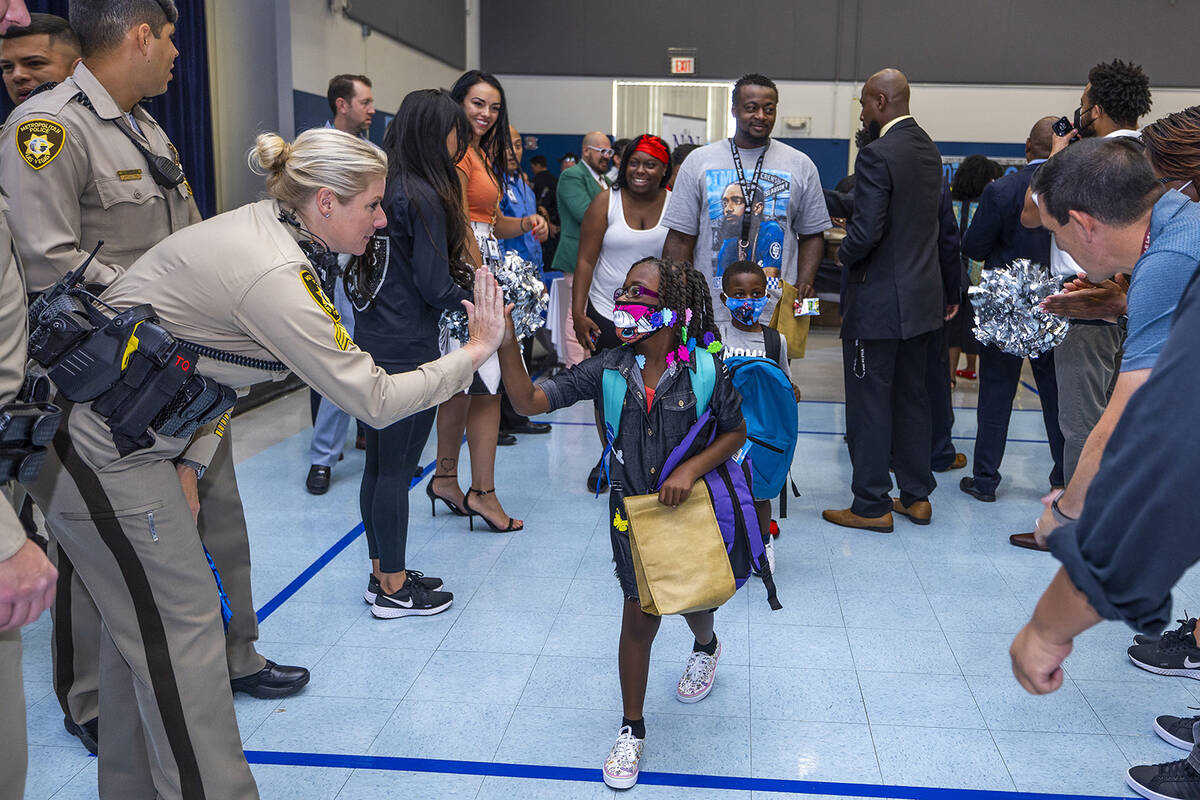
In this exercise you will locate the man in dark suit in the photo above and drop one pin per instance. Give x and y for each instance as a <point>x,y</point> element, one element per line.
<point>997,237</point>
<point>894,301</point>
<point>944,457</point>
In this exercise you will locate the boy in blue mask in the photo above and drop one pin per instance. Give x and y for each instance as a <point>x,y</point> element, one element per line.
<point>744,293</point>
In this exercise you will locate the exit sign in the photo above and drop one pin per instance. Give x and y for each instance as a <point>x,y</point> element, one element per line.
<point>683,65</point>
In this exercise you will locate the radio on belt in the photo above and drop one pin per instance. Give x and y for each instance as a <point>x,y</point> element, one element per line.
<point>133,371</point>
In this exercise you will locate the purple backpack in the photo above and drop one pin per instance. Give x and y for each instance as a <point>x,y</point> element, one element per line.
<point>728,484</point>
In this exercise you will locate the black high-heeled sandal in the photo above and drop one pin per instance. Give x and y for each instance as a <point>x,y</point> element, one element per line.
<point>512,523</point>
<point>450,504</point>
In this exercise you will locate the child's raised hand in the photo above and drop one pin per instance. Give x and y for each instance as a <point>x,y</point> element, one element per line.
<point>676,487</point>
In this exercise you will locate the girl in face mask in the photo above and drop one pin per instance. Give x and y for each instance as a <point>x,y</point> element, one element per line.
<point>663,314</point>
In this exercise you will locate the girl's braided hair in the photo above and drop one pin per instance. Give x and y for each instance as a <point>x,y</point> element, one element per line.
<point>1173,144</point>
<point>681,287</point>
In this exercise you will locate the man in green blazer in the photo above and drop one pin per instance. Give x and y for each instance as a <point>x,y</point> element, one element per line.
<point>577,186</point>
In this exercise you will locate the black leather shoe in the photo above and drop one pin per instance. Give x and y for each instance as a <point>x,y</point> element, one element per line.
<point>529,426</point>
<point>968,486</point>
<point>272,681</point>
<point>318,480</point>
<point>88,733</point>
<point>505,439</point>
<point>596,481</point>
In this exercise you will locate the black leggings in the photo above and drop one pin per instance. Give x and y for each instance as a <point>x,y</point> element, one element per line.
<point>392,456</point>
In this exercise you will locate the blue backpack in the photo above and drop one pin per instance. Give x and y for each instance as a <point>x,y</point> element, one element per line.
<point>728,484</point>
<point>771,417</point>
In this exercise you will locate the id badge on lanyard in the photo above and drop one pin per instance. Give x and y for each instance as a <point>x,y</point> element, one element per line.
<point>745,251</point>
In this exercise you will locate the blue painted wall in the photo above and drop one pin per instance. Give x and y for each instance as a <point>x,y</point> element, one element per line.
<point>312,111</point>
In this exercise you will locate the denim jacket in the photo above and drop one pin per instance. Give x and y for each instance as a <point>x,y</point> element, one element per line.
<point>645,438</point>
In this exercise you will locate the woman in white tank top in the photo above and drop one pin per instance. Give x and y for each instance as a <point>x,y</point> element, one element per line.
<point>621,226</point>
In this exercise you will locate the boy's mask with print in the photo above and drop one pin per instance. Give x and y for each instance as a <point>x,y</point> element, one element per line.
<point>746,310</point>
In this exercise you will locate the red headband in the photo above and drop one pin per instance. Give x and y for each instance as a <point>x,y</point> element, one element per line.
<point>654,147</point>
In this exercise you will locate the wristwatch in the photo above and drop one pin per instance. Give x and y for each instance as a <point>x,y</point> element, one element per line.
<point>198,468</point>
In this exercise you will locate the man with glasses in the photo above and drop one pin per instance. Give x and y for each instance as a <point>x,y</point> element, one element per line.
<point>577,186</point>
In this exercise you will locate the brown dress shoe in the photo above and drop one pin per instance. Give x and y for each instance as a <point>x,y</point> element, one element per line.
<point>1027,541</point>
<point>848,519</point>
<point>919,512</point>
<point>960,461</point>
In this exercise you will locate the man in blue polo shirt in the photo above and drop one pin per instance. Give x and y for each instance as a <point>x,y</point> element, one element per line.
<point>1124,550</point>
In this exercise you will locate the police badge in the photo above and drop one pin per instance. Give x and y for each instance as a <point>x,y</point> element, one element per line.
<point>39,141</point>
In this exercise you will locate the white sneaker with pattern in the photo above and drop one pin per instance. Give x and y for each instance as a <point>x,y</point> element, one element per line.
<point>621,766</point>
<point>698,676</point>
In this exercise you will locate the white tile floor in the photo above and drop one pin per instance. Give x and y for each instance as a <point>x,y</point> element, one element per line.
<point>887,667</point>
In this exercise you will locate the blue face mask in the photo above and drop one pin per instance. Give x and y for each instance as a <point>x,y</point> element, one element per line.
<point>746,310</point>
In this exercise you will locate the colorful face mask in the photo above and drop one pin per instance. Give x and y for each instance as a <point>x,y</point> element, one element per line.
<point>746,310</point>
<point>634,321</point>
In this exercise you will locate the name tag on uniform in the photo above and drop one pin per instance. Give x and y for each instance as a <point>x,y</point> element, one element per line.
<point>129,174</point>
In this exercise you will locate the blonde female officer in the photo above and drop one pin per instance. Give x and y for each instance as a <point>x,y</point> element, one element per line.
<point>240,290</point>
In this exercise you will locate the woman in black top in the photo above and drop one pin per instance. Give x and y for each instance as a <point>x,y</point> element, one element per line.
<point>426,273</point>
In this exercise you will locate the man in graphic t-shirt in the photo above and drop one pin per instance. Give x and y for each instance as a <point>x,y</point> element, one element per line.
<point>707,212</point>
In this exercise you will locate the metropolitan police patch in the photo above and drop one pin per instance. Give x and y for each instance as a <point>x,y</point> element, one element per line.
<point>39,141</point>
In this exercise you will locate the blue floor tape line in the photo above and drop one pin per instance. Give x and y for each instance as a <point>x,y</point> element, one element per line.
<point>1031,388</point>
<point>304,577</point>
<point>298,582</point>
<point>580,774</point>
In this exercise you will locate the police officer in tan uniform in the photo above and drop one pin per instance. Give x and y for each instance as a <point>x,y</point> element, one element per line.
<point>90,164</point>
<point>26,577</point>
<point>238,289</point>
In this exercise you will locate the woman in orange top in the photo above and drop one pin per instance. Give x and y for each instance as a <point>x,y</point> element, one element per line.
<point>478,411</point>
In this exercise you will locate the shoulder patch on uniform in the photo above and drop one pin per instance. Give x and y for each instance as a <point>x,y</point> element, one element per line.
<point>39,141</point>
<point>318,294</point>
<point>341,336</point>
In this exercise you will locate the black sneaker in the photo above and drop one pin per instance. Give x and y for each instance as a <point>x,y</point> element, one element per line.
<point>1173,781</point>
<point>1176,730</point>
<point>1187,627</point>
<point>429,584</point>
<point>412,600</point>
<point>1175,654</point>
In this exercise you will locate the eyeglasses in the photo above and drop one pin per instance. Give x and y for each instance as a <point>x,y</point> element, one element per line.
<point>607,152</point>
<point>633,292</point>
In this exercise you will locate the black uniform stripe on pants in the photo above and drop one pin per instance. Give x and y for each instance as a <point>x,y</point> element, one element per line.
<point>150,625</point>
<point>64,641</point>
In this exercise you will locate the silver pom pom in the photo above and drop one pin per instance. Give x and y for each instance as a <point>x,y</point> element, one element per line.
<point>1008,311</point>
<point>523,288</point>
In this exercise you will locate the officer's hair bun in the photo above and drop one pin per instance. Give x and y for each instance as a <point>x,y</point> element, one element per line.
<point>270,154</point>
<point>318,158</point>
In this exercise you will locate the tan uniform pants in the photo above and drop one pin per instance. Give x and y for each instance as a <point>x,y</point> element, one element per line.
<point>75,644</point>
<point>13,752</point>
<point>169,725</point>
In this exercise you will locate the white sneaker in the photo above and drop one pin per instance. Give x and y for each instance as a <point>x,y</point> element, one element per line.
<point>698,676</point>
<point>621,766</point>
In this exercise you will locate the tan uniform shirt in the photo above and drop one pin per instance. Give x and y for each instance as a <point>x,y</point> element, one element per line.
<point>81,180</point>
<point>239,282</point>
<point>12,364</point>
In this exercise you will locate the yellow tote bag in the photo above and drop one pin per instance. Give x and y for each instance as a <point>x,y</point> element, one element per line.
<point>679,555</point>
<point>793,328</point>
